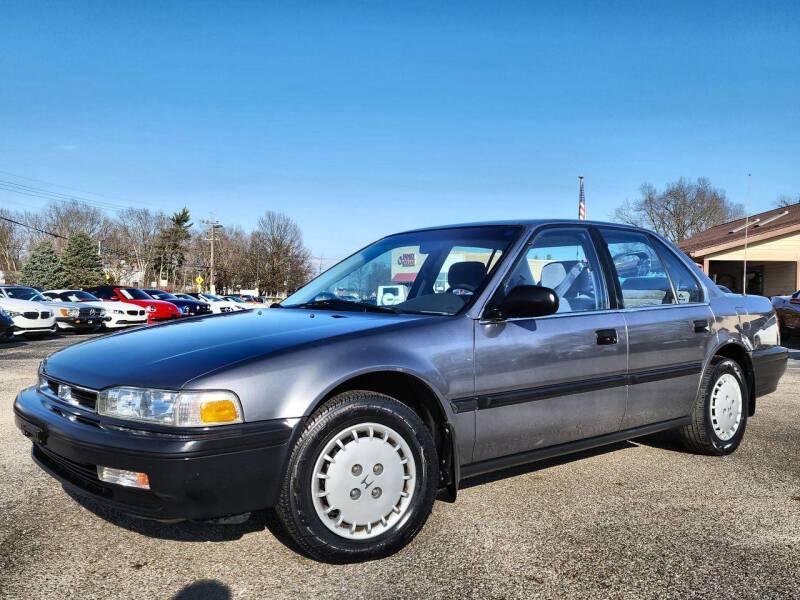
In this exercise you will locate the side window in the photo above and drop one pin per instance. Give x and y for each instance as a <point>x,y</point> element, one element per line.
<point>565,261</point>
<point>686,287</point>
<point>641,275</point>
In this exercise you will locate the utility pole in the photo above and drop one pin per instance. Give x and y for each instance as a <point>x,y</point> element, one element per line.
<point>213,229</point>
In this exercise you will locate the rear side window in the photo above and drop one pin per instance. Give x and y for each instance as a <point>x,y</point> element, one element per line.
<point>642,277</point>
<point>686,287</point>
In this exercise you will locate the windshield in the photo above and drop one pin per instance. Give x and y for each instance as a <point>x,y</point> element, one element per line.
<point>430,272</point>
<point>79,296</point>
<point>211,297</point>
<point>234,299</point>
<point>24,293</point>
<point>159,295</point>
<point>134,294</point>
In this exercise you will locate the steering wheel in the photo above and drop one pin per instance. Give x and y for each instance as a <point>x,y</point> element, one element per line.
<point>466,287</point>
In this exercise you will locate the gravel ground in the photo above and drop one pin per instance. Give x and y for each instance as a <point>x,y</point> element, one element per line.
<point>635,520</point>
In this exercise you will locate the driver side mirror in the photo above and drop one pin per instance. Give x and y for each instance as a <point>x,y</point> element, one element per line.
<point>526,301</point>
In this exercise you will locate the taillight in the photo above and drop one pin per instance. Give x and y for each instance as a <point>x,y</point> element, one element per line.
<point>795,301</point>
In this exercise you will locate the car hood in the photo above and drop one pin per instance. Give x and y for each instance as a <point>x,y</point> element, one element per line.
<point>168,356</point>
<point>21,305</point>
<point>55,305</point>
<point>108,305</point>
<point>159,304</point>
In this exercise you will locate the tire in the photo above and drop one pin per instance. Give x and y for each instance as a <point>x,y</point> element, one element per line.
<point>719,417</point>
<point>316,493</point>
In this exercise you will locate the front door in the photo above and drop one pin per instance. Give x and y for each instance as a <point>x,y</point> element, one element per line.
<point>670,327</point>
<point>555,379</point>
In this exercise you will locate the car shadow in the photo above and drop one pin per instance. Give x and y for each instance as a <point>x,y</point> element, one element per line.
<point>191,531</point>
<point>205,589</point>
<point>542,464</point>
<point>180,531</point>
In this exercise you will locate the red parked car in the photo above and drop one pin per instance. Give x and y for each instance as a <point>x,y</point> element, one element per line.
<point>157,310</point>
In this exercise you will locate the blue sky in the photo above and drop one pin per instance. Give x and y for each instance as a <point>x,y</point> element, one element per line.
<point>361,118</point>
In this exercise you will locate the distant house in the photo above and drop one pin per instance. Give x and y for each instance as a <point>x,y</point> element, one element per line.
<point>773,252</point>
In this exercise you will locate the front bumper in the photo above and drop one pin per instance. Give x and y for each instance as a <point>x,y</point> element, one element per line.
<point>38,329</point>
<point>193,475</point>
<point>153,318</point>
<point>79,322</point>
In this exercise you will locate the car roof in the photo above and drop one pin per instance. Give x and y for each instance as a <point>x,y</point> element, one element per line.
<point>528,223</point>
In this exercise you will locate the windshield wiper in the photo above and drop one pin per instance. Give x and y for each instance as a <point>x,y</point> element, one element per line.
<point>338,303</point>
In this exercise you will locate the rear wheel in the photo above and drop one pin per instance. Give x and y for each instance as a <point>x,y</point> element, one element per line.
<point>719,417</point>
<point>361,479</point>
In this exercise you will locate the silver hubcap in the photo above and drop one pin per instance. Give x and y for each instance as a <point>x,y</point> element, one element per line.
<point>726,406</point>
<point>363,481</point>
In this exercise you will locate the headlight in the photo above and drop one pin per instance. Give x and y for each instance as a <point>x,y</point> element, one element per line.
<point>69,312</point>
<point>198,408</point>
<point>116,311</point>
<point>13,313</point>
<point>185,309</point>
<point>150,308</point>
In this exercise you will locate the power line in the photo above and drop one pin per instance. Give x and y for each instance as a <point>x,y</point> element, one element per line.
<point>66,187</point>
<point>26,190</point>
<point>32,227</point>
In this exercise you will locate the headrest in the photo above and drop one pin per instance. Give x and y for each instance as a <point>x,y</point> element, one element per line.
<point>470,273</point>
<point>554,273</point>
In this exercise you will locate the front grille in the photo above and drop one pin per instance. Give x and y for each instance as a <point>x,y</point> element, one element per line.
<point>89,312</point>
<point>82,397</point>
<point>135,312</point>
<point>30,315</point>
<point>45,315</point>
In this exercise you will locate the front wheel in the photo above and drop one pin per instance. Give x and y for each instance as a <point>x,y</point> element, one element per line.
<point>719,417</point>
<point>361,479</point>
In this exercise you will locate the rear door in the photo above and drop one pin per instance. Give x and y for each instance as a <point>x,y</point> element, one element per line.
<point>670,326</point>
<point>555,379</point>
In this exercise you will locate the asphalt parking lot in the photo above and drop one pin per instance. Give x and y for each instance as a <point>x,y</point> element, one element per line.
<point>635,520</point>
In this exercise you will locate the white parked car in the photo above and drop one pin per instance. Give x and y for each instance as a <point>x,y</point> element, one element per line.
<point>218,305</point>
<point>30,318</point>
<point>117,314</point>
<point>69,315</point>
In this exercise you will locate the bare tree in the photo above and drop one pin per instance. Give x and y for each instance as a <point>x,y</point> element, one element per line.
<point>683,209</point>
<point>784,200</point>
<point>12,244</point>
<point>283,261</point>
<point>139,231</point>
<point>66,218</point>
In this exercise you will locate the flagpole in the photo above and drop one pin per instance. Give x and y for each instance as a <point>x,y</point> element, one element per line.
<point>746,227</point>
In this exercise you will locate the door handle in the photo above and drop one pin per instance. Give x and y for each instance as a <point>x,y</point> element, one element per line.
<point>701,326</point>
<point>606,336</point>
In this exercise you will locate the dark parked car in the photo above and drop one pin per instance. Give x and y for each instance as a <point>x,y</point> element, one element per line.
<point>788,310</point>
<point>515,342</point>
<point>188,308</point>
<point>6,327</point>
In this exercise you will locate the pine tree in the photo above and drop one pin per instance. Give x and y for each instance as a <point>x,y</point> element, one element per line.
<point>43,269</point>
<point>172,245</point>
<point>81,262</point>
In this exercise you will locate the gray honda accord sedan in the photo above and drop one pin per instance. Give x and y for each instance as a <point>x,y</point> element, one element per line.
<point>426,358</point>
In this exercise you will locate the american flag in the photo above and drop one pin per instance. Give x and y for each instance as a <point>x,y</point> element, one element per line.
<point>581,201</point>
